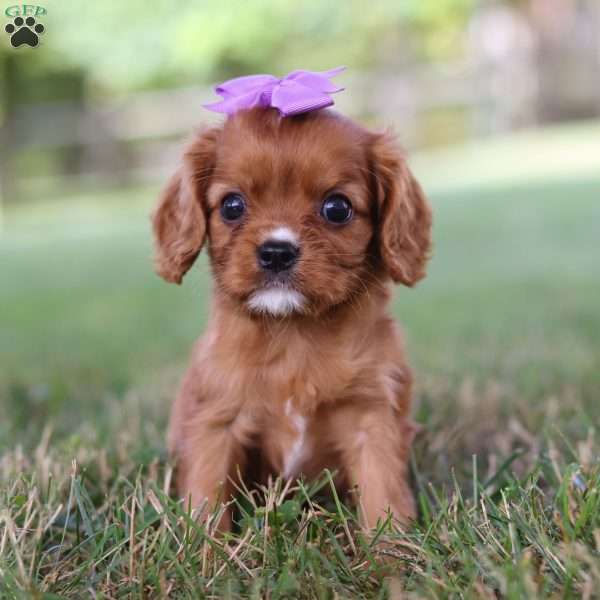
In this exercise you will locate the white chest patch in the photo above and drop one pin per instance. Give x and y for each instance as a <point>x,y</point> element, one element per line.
<point>294,456</point>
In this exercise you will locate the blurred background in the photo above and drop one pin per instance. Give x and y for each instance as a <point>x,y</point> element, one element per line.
<point>497,103</point>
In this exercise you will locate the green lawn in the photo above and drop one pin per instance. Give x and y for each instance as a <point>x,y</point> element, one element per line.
<point>504,336</point>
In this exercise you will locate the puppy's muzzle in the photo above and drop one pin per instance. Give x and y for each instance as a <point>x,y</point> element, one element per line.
<point>274,256</point>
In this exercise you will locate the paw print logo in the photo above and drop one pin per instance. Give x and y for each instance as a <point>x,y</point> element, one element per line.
<point>24,31</point>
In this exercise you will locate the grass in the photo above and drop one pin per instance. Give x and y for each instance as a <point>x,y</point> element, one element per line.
<point>504,340</point>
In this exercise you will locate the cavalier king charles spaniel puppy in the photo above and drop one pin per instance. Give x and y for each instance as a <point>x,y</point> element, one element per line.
<point>307,220</point>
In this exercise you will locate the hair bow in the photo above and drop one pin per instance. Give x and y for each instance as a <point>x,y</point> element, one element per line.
<point>298,92</point>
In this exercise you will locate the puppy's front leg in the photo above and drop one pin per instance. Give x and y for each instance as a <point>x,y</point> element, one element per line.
<point>377,466</point>
<point>209,458</point>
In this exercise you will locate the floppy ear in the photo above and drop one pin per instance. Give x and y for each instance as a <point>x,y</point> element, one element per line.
<point>179,221</point>
<point>404,217</point>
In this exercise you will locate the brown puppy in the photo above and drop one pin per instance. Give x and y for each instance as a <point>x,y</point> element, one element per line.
<point>308,218</point>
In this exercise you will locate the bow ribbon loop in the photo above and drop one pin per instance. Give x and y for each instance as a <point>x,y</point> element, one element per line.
<point>298,92</point>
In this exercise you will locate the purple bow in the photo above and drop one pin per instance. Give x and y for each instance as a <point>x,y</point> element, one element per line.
<point>298,92</point>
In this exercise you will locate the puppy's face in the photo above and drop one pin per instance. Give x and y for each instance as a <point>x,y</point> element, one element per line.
<point>289,212</point>
<point>301,213</point>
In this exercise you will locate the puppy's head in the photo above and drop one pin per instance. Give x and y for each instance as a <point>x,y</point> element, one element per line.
<point>301,213</point>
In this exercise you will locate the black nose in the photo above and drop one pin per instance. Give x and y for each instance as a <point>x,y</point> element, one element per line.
<point>277,256</point>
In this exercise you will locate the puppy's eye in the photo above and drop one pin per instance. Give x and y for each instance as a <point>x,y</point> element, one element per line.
<point>337,209</point>
<point>233,207</point>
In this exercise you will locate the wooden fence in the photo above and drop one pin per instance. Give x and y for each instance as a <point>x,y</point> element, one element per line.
<point>138,138</point>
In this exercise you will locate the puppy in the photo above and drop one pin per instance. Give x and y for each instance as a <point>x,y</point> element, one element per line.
<point>308,219</point>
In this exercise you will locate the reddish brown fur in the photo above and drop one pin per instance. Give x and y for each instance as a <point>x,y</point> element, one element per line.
<point>340,363</point>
